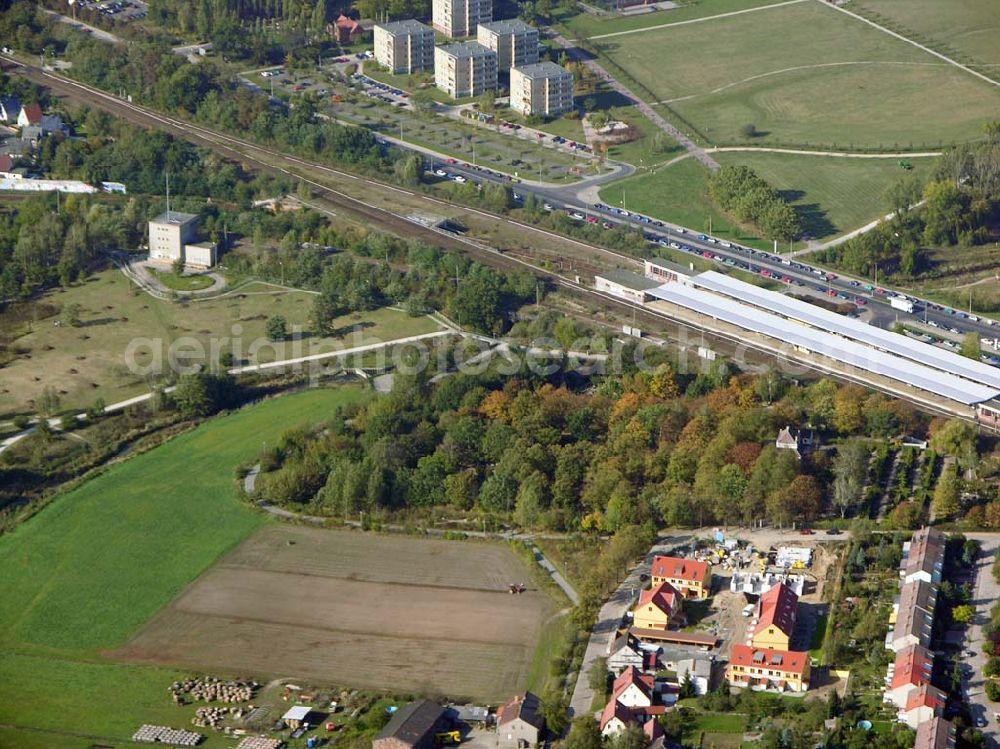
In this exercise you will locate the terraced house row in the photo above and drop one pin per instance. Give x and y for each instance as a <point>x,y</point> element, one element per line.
<point>908,680</point>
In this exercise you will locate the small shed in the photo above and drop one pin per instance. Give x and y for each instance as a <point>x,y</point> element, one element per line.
<point>296,716</point>
<point>412,727</point>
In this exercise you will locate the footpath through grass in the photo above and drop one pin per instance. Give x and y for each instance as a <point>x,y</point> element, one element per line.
<point>102,558</point>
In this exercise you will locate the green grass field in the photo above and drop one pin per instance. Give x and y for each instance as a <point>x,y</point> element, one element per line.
<point>586,25</point>
<point>182,283</point>
<point>831,195</point>
<point>677,193</point>
<point>967,29</point>
<point>833,81</point>
<point>90,361</point>
<point>101,559</point>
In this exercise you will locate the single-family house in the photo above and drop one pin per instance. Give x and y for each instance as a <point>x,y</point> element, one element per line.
<point>912,669</point>
<point>936,733</point>
<point>798,440</point>
<point>692,578</point>
<point>345,29</point>
<point>520,723</point>
<point>10,108</point>
<point>923,703</point>
<point>657,606</point>
<point>30,114</point>
<point>412,727</point>
<point>771,670</point>
<point>624,651</point>
<point>615,718</point>
<point>633,688</point>
<point>776,611</point>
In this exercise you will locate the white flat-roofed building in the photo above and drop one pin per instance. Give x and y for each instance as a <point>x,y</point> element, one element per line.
<point>514,41</point>
<point>404,46</point>
<point>543,89</point>
<point>465,69</point>
<point>169,232</point>
<point>458,18</point>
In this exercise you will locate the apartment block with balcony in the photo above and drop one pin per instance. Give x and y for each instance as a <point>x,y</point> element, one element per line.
<point>514,41</point>
<point>460,18</point>
<point>404,46</point>
<point>543,89</point>
<point>465,69</point>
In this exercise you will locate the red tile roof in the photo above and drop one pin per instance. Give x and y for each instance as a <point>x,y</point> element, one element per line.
<point>788,661</point>
<point>914,665</point>
<point>349,24</point>
<point>632,675</point>
<point>615,709</point>
<point>33,112</point>
<point>682,569</point>
<point>926,696</point>
<point>6,162</point>
<point>664,596</point>
<point>777,608</point>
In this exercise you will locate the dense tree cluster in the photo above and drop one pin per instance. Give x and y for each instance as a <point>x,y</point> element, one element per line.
<point>959,205</point>
<point>741,192</point>
<point>633,450</point>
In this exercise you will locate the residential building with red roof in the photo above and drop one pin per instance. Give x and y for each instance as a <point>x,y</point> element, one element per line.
<point>520,722</point>
<point>30,114</point>
<point>615,718</point>
<point>768,669</point>
<point>912,669</point>
<point>923,703</point>
<point>657,607</point>
<point>776,612</point>
<point>692,578</point>
<point>936,733</point>
<point>345,28</point>
<point>633,688</point>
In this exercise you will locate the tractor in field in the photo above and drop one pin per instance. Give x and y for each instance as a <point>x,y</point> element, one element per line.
<point>516,588</point>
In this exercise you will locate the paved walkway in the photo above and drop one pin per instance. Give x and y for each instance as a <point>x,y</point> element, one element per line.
<point>580,56</point>
<point>986,592</point>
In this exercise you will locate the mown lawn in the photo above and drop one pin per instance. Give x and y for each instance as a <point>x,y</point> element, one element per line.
<point>587,25</point>
<point>679,194</point>
<point>101,559</point>
<point>182,283</point>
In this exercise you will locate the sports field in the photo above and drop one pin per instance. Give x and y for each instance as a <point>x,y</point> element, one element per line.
<point>90,361</point>
<point>831,81</point>
<point>967,29</point>
<point>356,609</point>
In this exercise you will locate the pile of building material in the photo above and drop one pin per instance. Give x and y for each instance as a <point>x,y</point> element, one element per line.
<point>148,734</point>
<point>795,557</point>
<point>260,742</point>
<point>211,689</point>
<point>755,584</point>
<point>211,716</point>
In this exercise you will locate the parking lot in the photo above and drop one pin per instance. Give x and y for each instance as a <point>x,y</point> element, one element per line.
<point>119,10</point>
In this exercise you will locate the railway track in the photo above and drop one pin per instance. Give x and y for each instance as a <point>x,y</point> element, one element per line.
<point>275,162</point>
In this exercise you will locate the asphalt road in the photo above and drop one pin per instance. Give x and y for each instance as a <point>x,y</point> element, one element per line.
<point>986,592</point>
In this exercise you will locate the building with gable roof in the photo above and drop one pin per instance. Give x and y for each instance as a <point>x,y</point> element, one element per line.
<point>771,670</point>
<point>912,668</point>
<point>923,556</point>
<point>624,651</point>
<point>657,607</point>
<point>926,702</point>
<point>519,722</point>
<point>692,578</point>
<point>936,733</point>
<point>412,727</point>
<point>776,612</point>
<point>633,688</point>
<point>30,114</point>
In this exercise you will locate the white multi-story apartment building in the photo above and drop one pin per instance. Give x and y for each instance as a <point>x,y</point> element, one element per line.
<point>514,41</point>
<point>404,46</point>
<point>543,89</point>
<point>465,69</point>
<point>457,18</point>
